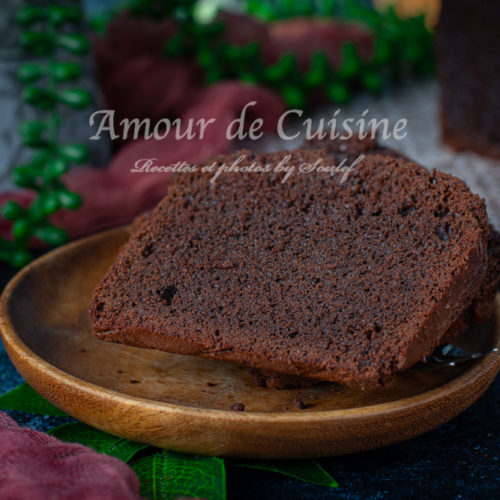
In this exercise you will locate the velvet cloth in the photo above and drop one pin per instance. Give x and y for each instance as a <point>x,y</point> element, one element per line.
<point>38,466</point>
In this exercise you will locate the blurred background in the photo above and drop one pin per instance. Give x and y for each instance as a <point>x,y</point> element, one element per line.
<point>431,62</point>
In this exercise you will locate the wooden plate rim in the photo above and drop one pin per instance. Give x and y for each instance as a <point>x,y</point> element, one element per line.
<point>23,356</point>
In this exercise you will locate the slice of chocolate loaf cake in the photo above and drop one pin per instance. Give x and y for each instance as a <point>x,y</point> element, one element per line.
<point>313,277</point>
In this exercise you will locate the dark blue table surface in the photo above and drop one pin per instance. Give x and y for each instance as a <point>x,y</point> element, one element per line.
<point>459,459</point>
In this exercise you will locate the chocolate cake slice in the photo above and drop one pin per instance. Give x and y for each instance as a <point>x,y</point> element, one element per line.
<point>313,277</point>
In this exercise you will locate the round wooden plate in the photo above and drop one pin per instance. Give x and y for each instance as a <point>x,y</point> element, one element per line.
<point>182,402</point>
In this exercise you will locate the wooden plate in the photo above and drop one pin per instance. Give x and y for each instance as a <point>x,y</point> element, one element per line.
<point>182,402</point>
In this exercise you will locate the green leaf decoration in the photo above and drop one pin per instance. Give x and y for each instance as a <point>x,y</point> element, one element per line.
<point>308,471</point>
<point>65,71</point>
<point>75,98</point>
<point>74,43</point>
<point>24,398</point>
<point>99,441</point>
<point>24,176</point>
<point>351,62</point>
<point>59,14</point>
<point>50,234</point>
<point>168,475</point>
<point>319,70</point>
<point>69,200</point>
<point>37,42</point>
<point>45,30</point>
<point>29,72</point>
<point>19,258</point>
<point>126,450</point>
<point>29,14</point>
<point>402,47</point>
<point>40,98</point>
<point>33,133</point>
<point>338,92</point>
<point>54,168</point>
<point>76,153</point>
<point>21,228</point>
<point>12,210</point>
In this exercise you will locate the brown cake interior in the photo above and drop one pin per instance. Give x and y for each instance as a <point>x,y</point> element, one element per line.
<point>346,282</point>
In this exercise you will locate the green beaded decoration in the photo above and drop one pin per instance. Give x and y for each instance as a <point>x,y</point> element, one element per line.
<point>45,89</point>
<point>402,47</point>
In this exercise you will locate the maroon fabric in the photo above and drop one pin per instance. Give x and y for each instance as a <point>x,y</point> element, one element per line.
<point>36,466</point>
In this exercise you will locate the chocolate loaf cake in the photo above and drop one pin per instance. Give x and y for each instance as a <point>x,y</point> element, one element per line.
<point>313,277</point>
<point>467,45</point>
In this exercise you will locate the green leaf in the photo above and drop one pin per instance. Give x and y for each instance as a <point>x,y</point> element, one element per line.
<point>308,471</point>
<point>286,66</point>
<point>12,210</point>
<point>24,398</point>
<point>262,10</point>
<point>74,43</point>
<point>69,199</point>
<point>24,176</point>
<point>37,208</point>
<point>251,50</point>
<point>33,133</point>
<point>206,58</point>
<point>37,42</point>
<point>50,234</point>
<point>351,63</point>
<point>41,98</point>
<point>99,22</point>
<point>76,153</point>
<point>294,96</point>
<point>249,77</point>
<point>49,204</point>
<point>29,14</point>
<point>97,440</point>
<point>65,71</point>
<point>75,98</point>
<point>39,158</point>
<point>59,14</point>
<point>22,228</point>
<point>169,475</point>
<point>338,92</point>
<point>19,258</point>
<point>126,450</point>
<point>318,71</point>
<point>175,45</point>
<point>54,168</point>
<point>372,81</point>
<point>29,72</point>
<point>382,52</point>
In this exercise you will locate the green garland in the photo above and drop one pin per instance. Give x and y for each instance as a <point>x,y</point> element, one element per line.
<point>44,38</point>
<point>402,47</point>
